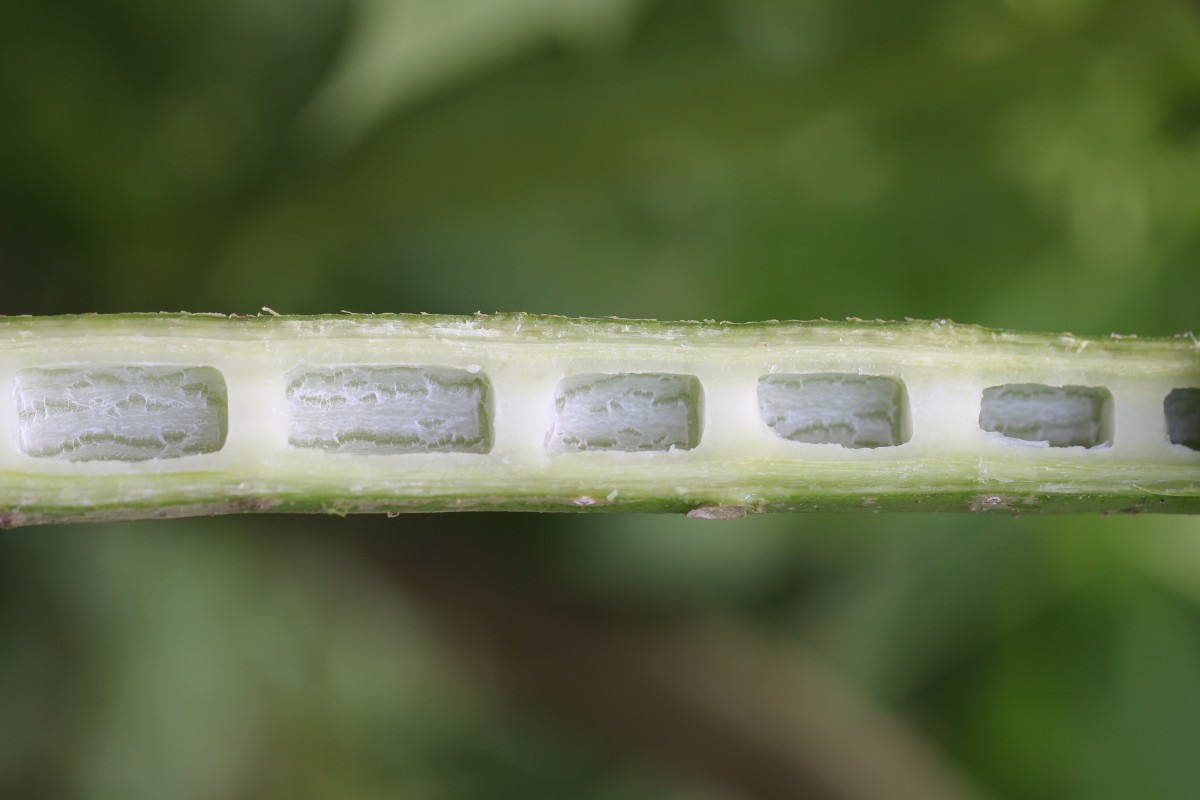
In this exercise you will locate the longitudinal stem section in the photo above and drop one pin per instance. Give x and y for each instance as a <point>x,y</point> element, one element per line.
<point>128,416</point>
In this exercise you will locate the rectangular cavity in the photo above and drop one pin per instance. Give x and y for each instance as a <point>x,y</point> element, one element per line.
<point>1182,409</point>
<point>855,411</point>
<point>121,413</point>
<point>629,412</point>
<point>389,410</point>
<point>1060,416</point>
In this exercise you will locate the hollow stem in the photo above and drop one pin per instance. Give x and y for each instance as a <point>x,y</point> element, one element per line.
<point>136,416</point>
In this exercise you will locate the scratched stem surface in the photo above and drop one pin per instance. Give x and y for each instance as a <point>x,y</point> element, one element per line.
<point>134,416</point>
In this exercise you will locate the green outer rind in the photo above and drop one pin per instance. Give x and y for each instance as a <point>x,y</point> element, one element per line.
<point>211,493</point>
<point>548,327</point>
<point>693,506</point>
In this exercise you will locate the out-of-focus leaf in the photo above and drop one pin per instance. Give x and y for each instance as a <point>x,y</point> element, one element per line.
<point>401,50</point>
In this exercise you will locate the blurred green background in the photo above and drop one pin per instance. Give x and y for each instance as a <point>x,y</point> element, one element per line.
<point>1029,164</point>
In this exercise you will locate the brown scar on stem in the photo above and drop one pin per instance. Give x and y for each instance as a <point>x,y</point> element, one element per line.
<point>718,512</point>
<point>989,502</point>
<point>11,519</point>
<point>992,502</point>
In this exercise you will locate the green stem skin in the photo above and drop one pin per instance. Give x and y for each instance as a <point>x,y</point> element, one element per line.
<point>740,465</point>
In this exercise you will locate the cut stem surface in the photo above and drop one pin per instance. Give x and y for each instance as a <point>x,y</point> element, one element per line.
<point>133,416</point>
